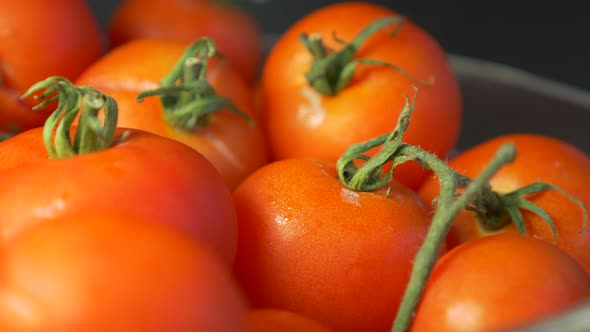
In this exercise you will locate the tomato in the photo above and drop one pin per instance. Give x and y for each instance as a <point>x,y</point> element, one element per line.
<point>40,38</point>
<point>143,175</point>
<point>97,273</point>
<point>499,282</point>
<point>301,122</point>
<point>227,140</point>
<point>308,244</point>
<point>235,31</point>
<point>539,159</point>
<point>273,320</point>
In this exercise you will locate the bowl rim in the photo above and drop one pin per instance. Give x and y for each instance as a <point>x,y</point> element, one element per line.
<point>475,68</point>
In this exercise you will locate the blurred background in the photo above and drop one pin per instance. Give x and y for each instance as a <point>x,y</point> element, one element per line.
<point>547,38</point>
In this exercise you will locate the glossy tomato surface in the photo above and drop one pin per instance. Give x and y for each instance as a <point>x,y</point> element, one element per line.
<point>499,282</point>
<point>143,175</point>
<point>97,272</point>
<point>272,320</point>
<point>227,140</point>
<point>310,245</point>
<point>539,159</point>
<point>235,32</point>
<point>38,39</point>
<point>300,122</point>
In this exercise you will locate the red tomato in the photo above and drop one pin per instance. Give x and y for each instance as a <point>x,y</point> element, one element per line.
<point>499,282</point>
<point>39,38</point>
<point>98,273</point>
<point>310,245</point>
<point>227,140</point>
<point>301,122</point>
<point>539,159</point>
<point>235,31</point>
<point>144,175</point>
<point>274,320</point>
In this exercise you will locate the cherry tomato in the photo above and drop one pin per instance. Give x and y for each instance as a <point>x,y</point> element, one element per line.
<point>227,140</point>
<point>236,32</point>
<point>40,38</point>
<point>273,320</point>
<point>142,175</point>
<point>308,244</point>
<point>301,122</point>
<point>539,159</point>
<point>96,273</point>
<point>499,282</point>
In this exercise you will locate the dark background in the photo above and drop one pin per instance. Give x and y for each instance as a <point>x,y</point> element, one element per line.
<point>548,38</point>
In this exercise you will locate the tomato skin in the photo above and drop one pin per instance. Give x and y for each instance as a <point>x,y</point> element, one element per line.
<point>273,320</point>
<point>309,245</point>
<point>97,273</point>
<point>302,123</point>
<point>234,147</point>
<point>145,175</point>
<point>30,53</point>
<point>539,158</point>
<point>499,282</point>
<point>240,41</point>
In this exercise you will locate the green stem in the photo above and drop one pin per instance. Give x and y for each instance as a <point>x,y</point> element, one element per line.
<point>194,70</point>
<point>477,196</point>
<point>331,71</point>
<point>446,212</point>
<point>91,135</point>
<point>316,46</point>
<point>203,48</point>
<point>493,215</point>
<point>186,96</point>
<point>369,177</point>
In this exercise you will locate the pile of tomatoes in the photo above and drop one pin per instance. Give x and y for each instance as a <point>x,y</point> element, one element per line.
<point>164,176</point>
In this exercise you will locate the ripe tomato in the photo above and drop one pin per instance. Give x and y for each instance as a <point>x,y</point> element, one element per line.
<point>227,140</point>
<point>539,158</point>
<point>236,33</point>
<point>96,273</point>
<point>144,175</point>
<point>273,320</point>
<point>499,282</point>
<point>310,245</point>
<point>40,38</point>
<point>301,122</point>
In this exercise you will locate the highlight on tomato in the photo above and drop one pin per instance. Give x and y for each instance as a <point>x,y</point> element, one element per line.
<point>61,170</point>
<point>235,31</point>
<point>338,75</point>
<point>458,192</point>
<point>540,159</point>
<point>99,272</point>
<point>41,38</point>
<point>274,219</point>
<point>329,241</point>
<point>500,282</point>
<point>202,102</point>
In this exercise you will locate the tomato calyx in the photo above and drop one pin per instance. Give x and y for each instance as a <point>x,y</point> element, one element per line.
<point>331,71</point>
<point>494,214</point>
<point>186,95</point>
<point>91,135</point>
<point>457,193</point>
<point>369,176</point>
